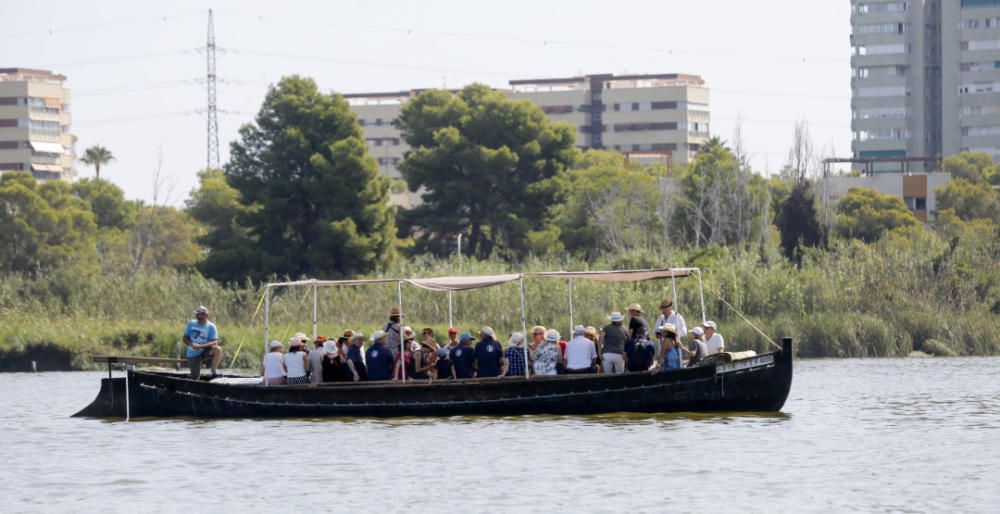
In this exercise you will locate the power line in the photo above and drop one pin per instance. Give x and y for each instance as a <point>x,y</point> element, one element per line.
<point>123,58</point>
<point>536,41</point>
<point>72,28</point>
<point>138,87</point>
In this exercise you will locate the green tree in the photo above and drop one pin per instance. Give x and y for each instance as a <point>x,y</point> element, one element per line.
<point>969,200</point>
<point>107,202</point>
<point>313,202</point>
<point>717,201</point>
<point>798,222</point>
<point>218,207</point>
<point>42,226</point>
<point>97,156</point>
<point>972,166</point>
<point>867,215</point>
<point>479,158</point>
<point>606,207</point>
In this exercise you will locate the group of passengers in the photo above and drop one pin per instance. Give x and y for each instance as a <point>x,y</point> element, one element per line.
<point>623,345</point>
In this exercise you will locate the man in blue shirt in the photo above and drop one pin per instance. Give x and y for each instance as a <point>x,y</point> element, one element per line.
<point>489,354</point>
<point>202,340</point>
<point>379,359</point>
<point>463,357</point>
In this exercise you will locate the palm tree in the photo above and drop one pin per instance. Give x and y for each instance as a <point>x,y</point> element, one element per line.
<point>96,156</point>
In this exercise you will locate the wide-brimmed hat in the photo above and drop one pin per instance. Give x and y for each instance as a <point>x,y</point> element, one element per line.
<point>516,339</point>
<point>275,344</point>
<point>378,334</point>
<point>616,317</point>
<point>329,346</point>
<point>590,331</point>
<point>396,312</point>
<point>357,338</point>
<point>635,307</point>
<point>667,304</point>
<point>295,341</point>
<point>301,336</point>
<point>667,328</point>
<point>552,335</point>
<point>709,324</point>
<point>407,330</point>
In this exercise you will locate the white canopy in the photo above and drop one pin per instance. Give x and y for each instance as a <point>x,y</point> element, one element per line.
<point>43,147</point>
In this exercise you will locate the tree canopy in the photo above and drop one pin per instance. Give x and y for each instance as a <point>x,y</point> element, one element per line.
<point>310,198</point>
<point>478,159</point>
<point>973,167</point>
<point>798,222</point>
<point>867,215</point>
<point>969,200</point>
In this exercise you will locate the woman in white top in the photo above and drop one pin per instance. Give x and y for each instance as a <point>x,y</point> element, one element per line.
<point>272,368</point>
<point>297,362</point>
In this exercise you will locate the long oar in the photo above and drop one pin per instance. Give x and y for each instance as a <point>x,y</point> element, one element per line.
<point>244,338</point>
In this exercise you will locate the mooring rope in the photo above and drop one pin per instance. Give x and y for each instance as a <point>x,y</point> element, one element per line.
<point>740,314</point>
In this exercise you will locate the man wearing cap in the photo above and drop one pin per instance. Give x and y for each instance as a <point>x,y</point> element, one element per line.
<point>671,316</point>
<point>489,354</point>
<point>380,359</point>
<point>202,340</point>
<point>714,341</point>
<point>393,331</point>
<point>612,343</point>
<point>581,354</point>
<point>452,339</point>
<point>316,361</point>
<point>638,327</point>
<point>463,357</point>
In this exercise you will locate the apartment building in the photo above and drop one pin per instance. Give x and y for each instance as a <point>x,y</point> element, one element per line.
<point>918,190</point>
<point>925,78</point>
<point>35,124</point>
<point>663,114</point>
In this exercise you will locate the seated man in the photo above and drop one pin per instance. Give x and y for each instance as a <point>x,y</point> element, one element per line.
<point>581,353</point>
<point>379,359</point>
<point>463,357</point>
<point>202,340</point>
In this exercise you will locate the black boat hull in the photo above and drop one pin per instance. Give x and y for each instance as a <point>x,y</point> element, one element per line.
<point>758,384</point>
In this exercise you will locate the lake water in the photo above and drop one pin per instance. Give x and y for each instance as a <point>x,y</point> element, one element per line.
<point>906,435</point>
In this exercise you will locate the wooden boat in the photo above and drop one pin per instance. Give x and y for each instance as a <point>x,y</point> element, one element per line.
<point>758,384</point>
<point>755,384</point>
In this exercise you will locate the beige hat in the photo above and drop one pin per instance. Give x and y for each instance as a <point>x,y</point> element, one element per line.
<point>395,312</point>
<point>487,331</point>
<point>635,307</point>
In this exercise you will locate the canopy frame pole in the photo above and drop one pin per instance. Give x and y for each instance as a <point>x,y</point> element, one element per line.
<point>128,406</point>
<point>673,283</point>
<point>571,325</point>
<point>524,329</point>
<point>450,321</point>
<point>402,343</point>
<point>267,317</point>
<point>315,317</point>
<point>701,293</point>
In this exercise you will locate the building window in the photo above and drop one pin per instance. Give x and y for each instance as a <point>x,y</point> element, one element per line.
<point>882,28</point>
<point>984,44</point>
<point>882,113</point>
<point>873,92</point>
<point>978,88</point>
<point>896,48</point>
<point>981,131</point>
<point>882,134</point>
<point>882,7</point>
<point>915,203</point>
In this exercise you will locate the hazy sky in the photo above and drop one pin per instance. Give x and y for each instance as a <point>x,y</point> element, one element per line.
<point>136,75</point>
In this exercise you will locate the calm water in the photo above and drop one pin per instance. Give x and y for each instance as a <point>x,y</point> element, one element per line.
<point>880,435</point>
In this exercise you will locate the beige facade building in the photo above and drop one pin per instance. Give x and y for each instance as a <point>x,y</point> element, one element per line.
<point>918,190</point>
<point>35,124</point>
<point>647,115</point>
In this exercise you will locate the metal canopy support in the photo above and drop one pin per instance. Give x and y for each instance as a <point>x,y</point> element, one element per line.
<point>315,317</point>
<point>450,322</point>
<point>571,325</point>
<point>128,407</point>
<point>524,330</point>
<point>673,284</point>
<point>267,318</point>
<point>402,344</point>
<point>701,293</point>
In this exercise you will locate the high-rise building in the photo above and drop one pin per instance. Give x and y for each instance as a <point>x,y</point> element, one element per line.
<point>925,78</point>
<point>663,114</point>
<point>35,124</point>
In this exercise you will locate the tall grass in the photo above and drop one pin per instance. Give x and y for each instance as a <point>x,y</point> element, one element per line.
<point>854,300</point>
